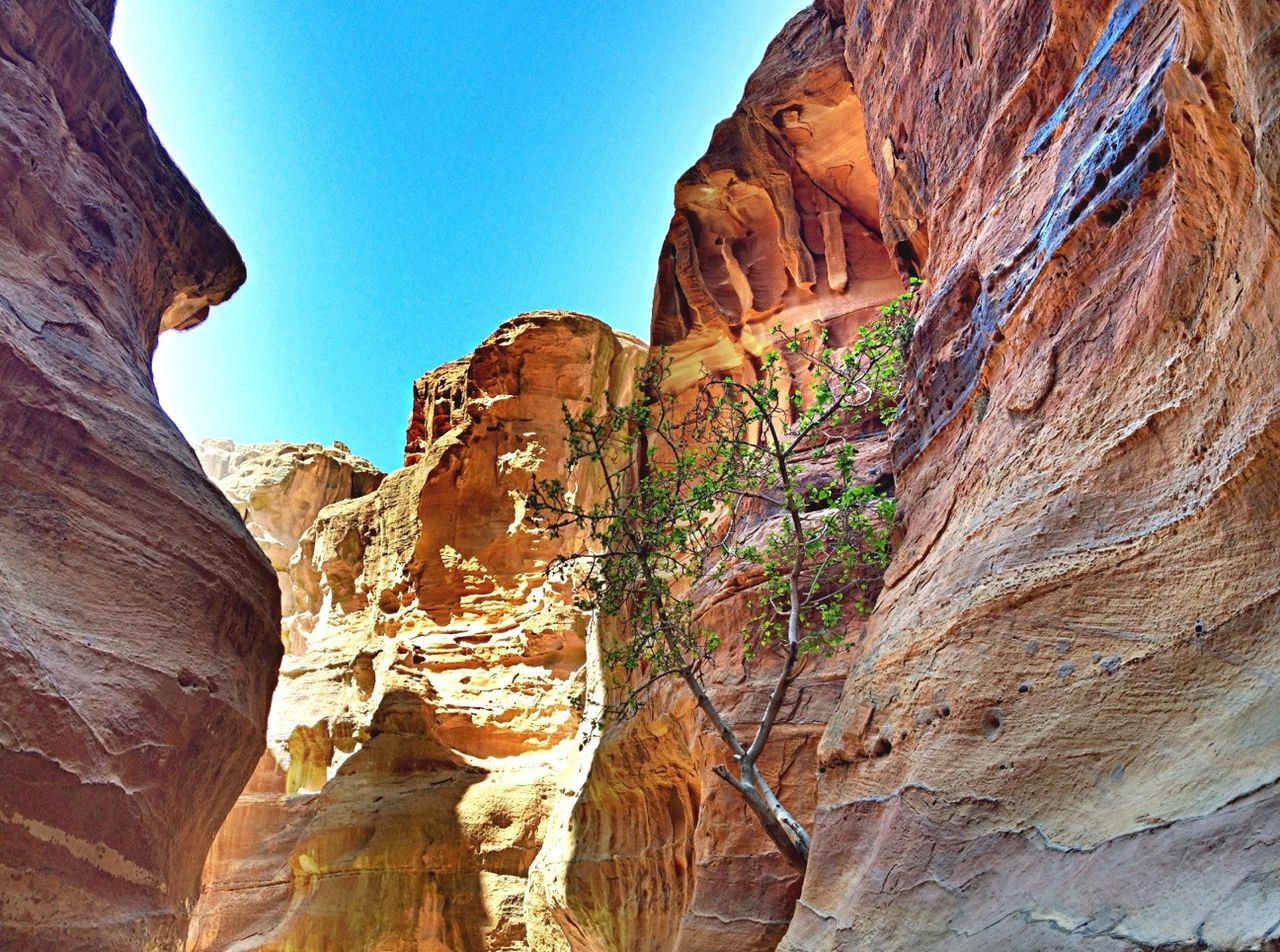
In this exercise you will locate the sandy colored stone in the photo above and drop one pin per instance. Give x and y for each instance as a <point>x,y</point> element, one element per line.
<point>279,488</point>
<point>425,713</point>
<point>138,622</point>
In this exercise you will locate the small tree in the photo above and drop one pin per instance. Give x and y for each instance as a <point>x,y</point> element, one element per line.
<point>679,478</point>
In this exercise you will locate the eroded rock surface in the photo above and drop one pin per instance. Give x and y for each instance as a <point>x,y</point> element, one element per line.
<point>777,224</point>
<point>138,622</point>
<point>425,716</point>
<point>279,488</point>
<point>1075,661</point>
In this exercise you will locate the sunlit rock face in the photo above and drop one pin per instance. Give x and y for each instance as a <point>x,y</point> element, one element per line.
<point>426,710</point>
<point>777,223</point>
<point>279,489</point>
<point>138,622</point>
<point>1075,656</point>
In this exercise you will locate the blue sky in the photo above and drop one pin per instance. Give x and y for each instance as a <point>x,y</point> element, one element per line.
<point>403,175</point>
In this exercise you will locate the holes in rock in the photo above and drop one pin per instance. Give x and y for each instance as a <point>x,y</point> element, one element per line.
<point>882,747</point>
<point>944,710</point>
<point>980,403</point>
<point>96,219</point>
<point>1112,212</point>
<point>1159,157</point>
<point>905,252</point>
<point>1024,687</point>
<point>364,676</point>
<point>992,724</point>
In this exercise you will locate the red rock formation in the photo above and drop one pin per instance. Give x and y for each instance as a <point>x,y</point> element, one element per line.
<point>777,223</point>
<point>1068,733</point>
<point>425,714</point>
<point>138,622</point>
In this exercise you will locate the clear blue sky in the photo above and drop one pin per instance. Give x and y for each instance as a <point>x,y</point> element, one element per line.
<point>403,175</point>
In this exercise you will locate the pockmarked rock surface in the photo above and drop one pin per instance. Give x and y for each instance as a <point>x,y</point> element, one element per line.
<point>279,488</point>
<point>777,224</point>
<point>1067,734</point>
<point>425,716</point>
<point>138,621</point>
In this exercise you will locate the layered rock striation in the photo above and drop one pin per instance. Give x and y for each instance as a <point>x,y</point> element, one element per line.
<point>427,707</point>
<point>1059,727</point>
<point>1067,733</point>
<point>138,622</point>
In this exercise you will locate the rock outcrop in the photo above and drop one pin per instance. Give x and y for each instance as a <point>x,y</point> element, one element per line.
<point>279,489</point>
<point>777,224</point>
<point>1067,735</point>
<point>138,622</point>
<point>1060,727</point>
<point>427,709</point>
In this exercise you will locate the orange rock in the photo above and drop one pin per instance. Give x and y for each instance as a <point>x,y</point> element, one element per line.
<point>426,711</point>
<point>138,622</point>
<point>778,223</point>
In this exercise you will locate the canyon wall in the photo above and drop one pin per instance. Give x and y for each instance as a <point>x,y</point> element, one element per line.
<point>427,710</point>
<point>1059,728</point>
<point>138,621</point>
<point>1067,733</point>
<point>777,224</point>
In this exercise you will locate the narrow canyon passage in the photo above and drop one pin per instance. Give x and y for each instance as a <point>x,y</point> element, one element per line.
<point>267,696</point>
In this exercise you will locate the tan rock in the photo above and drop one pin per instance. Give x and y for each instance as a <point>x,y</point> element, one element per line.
<point>279,489</point>
<point>418,738</point>
<point>138,622</point>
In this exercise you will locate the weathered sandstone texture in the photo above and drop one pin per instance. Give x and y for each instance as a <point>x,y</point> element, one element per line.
<point>425,715</point>
<point>1067,733</point>
<point>777,223</point>
<point>279,489</point>
<point>138,622</point>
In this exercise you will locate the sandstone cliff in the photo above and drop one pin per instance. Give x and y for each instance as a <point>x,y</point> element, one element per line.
<point>1061,731</point>
<point>1073,685</point>
<point>138,622</point>
<point>279,489</point>
<point>777,223</point>
<point>425,716</point>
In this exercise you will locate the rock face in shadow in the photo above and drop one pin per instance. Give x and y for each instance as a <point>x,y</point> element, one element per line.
<point>138,622</point>
<point>777,224</point>
<point>1074,656</point>
<point>425,714</point>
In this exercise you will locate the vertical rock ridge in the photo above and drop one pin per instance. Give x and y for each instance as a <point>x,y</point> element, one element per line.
<point>426,710</point>
<point>138,622</point>
<point>778,223</point>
